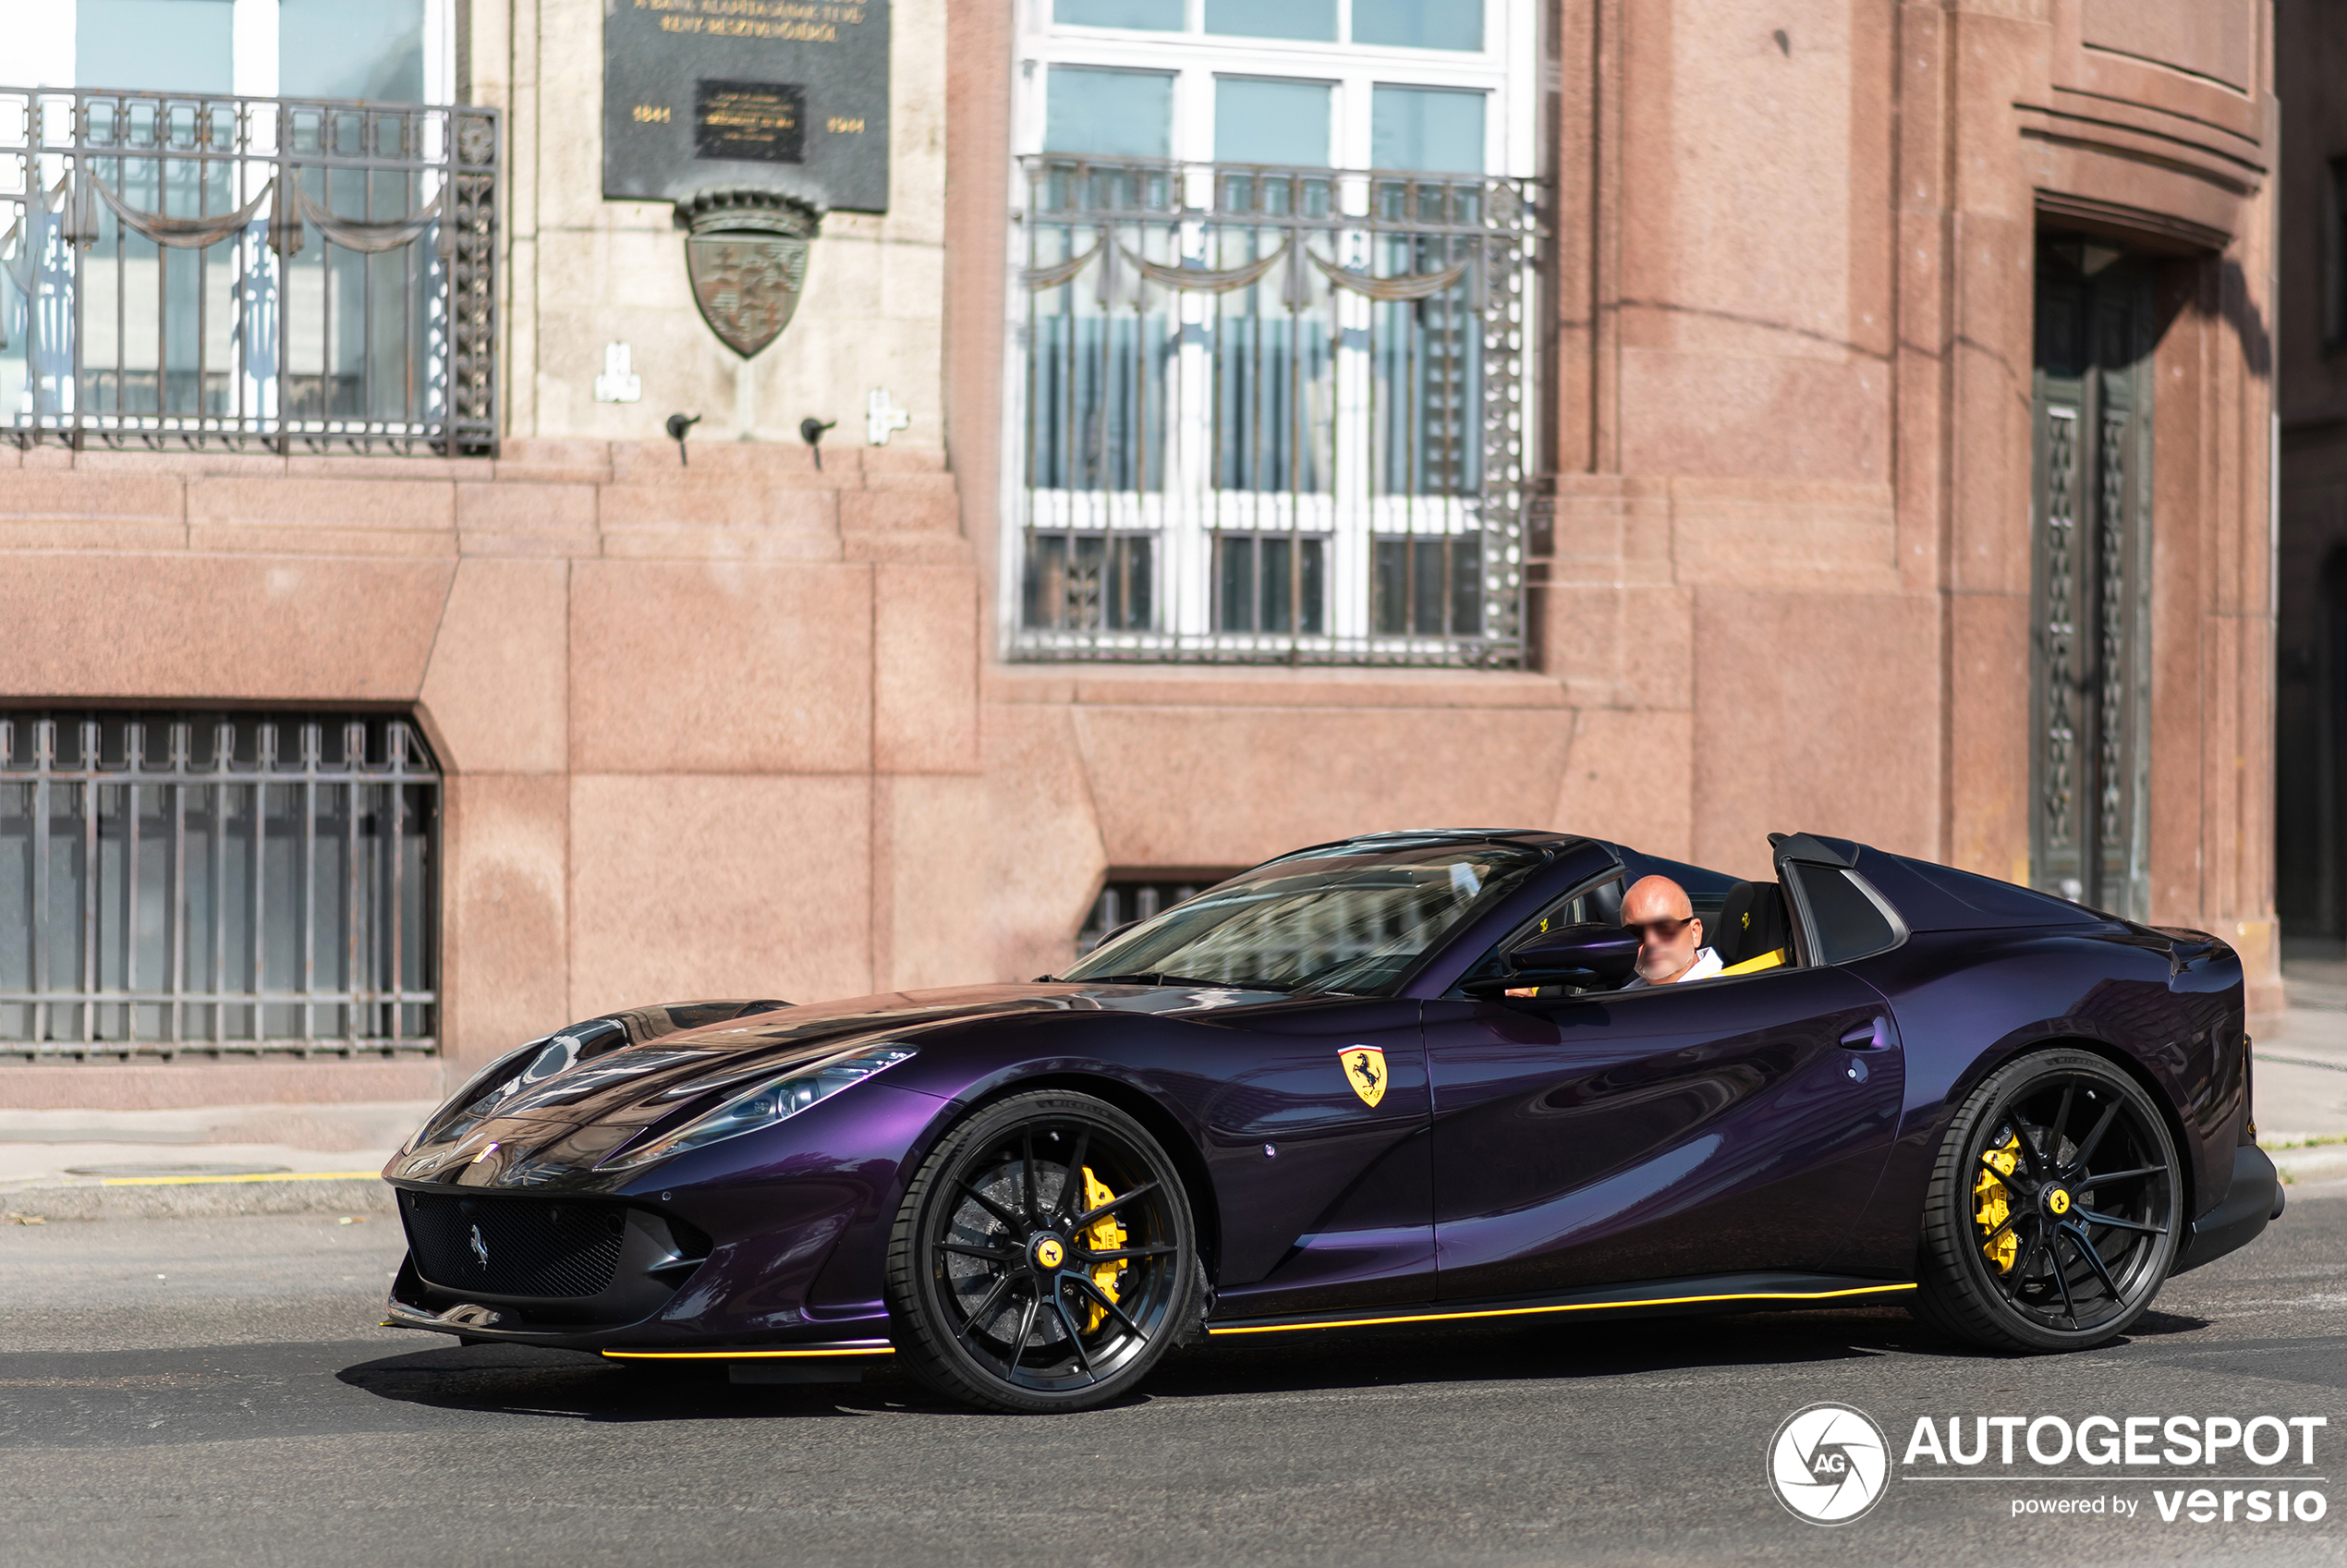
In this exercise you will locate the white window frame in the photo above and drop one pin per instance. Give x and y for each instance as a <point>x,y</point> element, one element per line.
<point>41,47</point>
<point>1506,71</point>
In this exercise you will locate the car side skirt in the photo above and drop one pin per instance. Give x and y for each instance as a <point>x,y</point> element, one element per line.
<point>1715,1293</point>
<point>838,1350</point>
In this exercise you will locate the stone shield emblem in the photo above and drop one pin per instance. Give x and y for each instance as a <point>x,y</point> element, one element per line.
<point>747,285</point>
<point>1365,1070</point>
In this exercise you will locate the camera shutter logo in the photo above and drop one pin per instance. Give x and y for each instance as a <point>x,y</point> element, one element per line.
<point>1829,1463</point>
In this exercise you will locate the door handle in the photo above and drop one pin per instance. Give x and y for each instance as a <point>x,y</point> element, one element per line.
<point>1868,1036</point>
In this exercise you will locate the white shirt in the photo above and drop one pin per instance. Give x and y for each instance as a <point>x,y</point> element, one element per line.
<point>1707,964</point>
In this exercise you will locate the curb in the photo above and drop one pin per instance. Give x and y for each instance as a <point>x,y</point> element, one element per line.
<point>2324,1163</point>
<point>204,1200</point>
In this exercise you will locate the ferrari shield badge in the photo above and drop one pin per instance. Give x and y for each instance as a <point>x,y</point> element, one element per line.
<point>1365,1070</point>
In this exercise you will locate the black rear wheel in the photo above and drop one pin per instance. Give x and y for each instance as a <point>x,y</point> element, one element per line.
<point>2055,1208</point>
<point>1044,1258</point>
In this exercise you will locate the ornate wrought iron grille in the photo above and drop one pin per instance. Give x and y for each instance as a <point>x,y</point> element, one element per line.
<point>2089,820</point>
<point>1273,415</point>
<point>254,273</point>
<point>218,883</point>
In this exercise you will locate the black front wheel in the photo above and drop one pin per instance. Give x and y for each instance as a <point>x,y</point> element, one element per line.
<point>2055,1208</point>
<point>1044,1258</point>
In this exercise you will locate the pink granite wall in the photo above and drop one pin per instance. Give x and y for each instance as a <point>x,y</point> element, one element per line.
<point>741,727</point>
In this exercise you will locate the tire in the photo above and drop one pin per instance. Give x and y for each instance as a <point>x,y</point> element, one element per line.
<point>1007,1282</point>
<point>2054,1211</point>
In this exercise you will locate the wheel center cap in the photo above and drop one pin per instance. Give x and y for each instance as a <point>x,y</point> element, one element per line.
<point>2059,1200</point>
<point>1047,1252</point>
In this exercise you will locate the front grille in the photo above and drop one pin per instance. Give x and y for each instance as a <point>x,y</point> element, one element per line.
<point>514,1246</point>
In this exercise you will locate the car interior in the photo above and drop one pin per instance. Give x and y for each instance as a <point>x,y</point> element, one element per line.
<point>1749,924</point>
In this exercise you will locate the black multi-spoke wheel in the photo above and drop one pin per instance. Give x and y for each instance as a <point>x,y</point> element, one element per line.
<point>2055,1208</point>
<point>1044,1258</point>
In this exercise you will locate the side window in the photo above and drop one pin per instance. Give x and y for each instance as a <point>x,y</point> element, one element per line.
<point>1601,904</point>
<point>1849,917</point>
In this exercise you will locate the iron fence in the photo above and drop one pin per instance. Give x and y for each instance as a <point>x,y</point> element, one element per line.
<point>1273,415</point>
<point>254,273</point>
<point>176,884</point>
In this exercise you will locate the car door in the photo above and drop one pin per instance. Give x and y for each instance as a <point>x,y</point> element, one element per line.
<point>1731,1124</point>
<point>1316,1142</point>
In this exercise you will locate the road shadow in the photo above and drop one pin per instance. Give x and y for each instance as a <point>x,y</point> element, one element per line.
<point>517,1380</point>
<point>524,1381</point>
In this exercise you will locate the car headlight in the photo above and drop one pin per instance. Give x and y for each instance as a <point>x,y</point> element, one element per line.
<point>775,1101</point>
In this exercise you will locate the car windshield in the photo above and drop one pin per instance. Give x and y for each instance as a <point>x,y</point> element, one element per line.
<point>1343,919</point>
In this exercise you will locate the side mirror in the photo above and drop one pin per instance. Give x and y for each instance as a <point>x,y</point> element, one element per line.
<point>1585,955</point>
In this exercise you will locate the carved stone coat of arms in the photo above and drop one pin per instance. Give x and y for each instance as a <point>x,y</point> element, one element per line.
<point>747,258</point>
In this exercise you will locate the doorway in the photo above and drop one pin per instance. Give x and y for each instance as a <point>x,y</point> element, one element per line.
<point>2091,542</point>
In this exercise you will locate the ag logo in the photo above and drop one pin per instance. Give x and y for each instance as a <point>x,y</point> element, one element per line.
<point>1365,1070</point>
<point>1829,1463</point>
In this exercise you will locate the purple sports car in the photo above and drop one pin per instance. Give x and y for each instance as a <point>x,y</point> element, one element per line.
<point>1407,1077</point>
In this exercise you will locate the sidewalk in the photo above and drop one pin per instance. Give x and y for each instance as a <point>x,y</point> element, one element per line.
<point>2300,1058</point>
<point>216,1159</point>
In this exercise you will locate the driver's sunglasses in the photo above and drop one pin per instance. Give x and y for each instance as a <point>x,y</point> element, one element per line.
<point>1658,930</point>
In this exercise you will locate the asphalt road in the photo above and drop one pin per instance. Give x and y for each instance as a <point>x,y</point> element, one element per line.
<point>212,1392</point>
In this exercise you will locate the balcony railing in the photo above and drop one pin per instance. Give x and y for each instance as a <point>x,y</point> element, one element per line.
<point>186,271</point>
<point>1273,415</point>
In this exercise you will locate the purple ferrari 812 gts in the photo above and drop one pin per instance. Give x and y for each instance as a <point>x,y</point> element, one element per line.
<point>1404,1078</point>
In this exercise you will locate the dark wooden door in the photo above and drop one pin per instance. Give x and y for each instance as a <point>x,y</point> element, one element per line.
<point>2091,526</point>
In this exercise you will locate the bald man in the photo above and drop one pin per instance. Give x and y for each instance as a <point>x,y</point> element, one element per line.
<point>1671,949</point>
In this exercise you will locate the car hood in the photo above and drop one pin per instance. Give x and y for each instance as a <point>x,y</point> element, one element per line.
<point>575,1118</point>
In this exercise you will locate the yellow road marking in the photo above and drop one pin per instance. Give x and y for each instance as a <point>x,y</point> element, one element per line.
<point>1569,1306</point>
<point>273,1176</point>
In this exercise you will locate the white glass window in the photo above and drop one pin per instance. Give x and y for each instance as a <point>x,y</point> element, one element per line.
<point>372,49</point>
<point>1157,16</point>
<point>1273,19</point>
<point>1272,122</point>
<point>1418,24</point>
<point>1419,128</point>
<point>156,46</point>
<point>1119,114</point>
<point>1269,364</point>
<point>385,51</point>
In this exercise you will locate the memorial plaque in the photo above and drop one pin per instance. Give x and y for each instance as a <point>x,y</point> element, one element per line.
<point>784,95</point>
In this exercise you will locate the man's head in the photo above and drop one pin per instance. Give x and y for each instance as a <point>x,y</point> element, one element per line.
<point>1668,934</point>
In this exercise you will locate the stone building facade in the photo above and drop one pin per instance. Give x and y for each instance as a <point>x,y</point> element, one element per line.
<point>1860,422</point>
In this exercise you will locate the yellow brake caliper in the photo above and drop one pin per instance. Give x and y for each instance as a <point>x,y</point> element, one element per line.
<point>1995,1202</point>
<point>1103,1235</point>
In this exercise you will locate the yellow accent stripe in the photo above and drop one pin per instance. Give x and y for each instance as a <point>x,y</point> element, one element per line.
<point>1570,1306</point>
<point>272,1176</point>
<point>742,1354</point>
<point>1754,966</point>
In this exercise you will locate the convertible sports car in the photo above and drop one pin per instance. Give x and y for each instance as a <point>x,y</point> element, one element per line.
<point>1392,1079</point>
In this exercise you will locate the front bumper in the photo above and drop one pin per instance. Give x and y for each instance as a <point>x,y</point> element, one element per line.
<point>2253,1201</point>
<point>591,1270</point>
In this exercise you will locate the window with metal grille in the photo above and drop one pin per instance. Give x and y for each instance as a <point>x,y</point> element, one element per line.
<point>222,883</point>
<point>185,264</point>
<point>1273,356</point>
